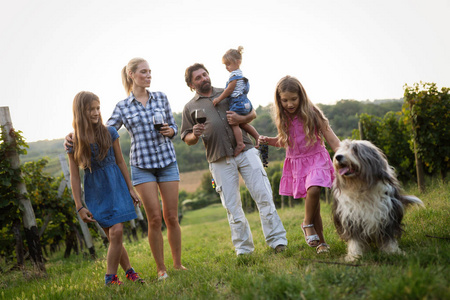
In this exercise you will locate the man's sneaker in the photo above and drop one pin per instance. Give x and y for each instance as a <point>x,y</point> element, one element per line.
<point>112,280</point>
<point>280,248</point>
<point>133,276</point>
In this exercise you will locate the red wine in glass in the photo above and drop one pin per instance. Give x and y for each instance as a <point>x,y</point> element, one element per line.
<point>200,116</point>
<point>158,121</point>
<point>158,126</point>
<point>201,120</point>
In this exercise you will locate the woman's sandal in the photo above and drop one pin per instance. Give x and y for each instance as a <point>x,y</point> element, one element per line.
<point>323,248</point>
<point>310,238</point>
<point>162,276</point>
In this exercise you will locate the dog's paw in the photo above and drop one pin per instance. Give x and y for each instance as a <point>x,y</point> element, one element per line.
<point>391,247</point>
<point>397,251</point>
<point>352,257</point>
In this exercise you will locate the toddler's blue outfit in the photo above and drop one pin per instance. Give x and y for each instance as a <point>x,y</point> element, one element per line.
<point>106,193</point>
<point>239,103</point>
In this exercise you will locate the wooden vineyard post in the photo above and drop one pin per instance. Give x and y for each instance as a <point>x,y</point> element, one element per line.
<point>419,164</point>
<point>361,130</point>
<point>141,220</point>
<point>419,169</point>
<point>84,227</point>
<point>133,230</point>
<point>291,201</point>
<point>28,216</point>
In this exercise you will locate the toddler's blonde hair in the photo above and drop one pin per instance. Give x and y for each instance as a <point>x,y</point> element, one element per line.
<point>233,55</point>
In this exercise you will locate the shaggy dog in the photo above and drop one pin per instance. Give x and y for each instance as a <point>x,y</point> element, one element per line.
<point>368,207</point>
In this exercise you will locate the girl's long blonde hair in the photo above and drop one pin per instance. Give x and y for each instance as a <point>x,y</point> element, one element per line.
<point>84,128</point>
<point>309,114</point>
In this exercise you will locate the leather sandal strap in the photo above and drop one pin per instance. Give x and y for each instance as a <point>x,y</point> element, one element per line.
<point>308,226</point>
<point>312,238</point>
<point>322,247</point>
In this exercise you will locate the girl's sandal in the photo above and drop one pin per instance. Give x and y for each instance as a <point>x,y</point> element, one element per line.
<point>310,238</point>
<point>323,248</point>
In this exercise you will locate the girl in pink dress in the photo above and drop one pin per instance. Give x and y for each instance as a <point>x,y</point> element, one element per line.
<point>302,127</point>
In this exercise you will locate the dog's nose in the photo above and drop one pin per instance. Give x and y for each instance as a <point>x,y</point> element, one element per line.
<point>339,157</point>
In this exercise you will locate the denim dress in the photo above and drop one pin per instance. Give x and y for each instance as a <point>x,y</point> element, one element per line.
<point>106,192</point>
<point>240,104</point>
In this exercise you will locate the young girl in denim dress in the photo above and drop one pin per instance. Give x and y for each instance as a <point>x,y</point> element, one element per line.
<point>109,194</point>
<point>302,129</point>
<point>237,89</point>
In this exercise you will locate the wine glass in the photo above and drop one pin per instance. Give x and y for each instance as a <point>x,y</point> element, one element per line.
<point>200,117</point>
<point>158,121</point>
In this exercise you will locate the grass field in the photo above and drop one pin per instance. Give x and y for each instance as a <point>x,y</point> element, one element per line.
<point>215,272</point>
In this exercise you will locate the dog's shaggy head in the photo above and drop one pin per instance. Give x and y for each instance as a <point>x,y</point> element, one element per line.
<point>361,163</point>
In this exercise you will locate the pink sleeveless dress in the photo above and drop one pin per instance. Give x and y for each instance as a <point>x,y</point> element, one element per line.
<point>304,165</point>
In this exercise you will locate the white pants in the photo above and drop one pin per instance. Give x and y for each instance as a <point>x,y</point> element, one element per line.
<point>225,172</point>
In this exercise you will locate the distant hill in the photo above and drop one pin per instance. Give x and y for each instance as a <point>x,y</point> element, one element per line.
<point>343,117</point>
<point>47,148</point>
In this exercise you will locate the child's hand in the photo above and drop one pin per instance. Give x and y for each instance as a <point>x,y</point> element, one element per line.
<point>216,101</point>
<point>263,140</point>
<point>86,215</point>
<point>137,201</point>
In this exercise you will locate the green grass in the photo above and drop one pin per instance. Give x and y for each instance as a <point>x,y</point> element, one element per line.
<point>216,273</point>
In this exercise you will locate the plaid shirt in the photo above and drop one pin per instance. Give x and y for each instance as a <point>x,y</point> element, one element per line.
<point>149,148</point>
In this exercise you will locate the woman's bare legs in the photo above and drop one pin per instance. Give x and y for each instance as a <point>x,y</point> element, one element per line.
<point>148,192</point>
<point>169,195</point>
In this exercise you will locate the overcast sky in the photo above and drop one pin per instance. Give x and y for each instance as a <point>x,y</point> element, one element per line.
<point>347,49</point>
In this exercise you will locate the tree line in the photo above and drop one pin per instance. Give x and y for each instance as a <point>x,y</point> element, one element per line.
<point>343,117</point>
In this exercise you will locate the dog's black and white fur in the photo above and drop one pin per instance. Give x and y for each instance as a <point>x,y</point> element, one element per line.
<point>368,206</point>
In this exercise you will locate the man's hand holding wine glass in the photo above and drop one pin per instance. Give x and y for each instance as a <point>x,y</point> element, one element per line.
<point>198,129</point>
<point>200,118</point>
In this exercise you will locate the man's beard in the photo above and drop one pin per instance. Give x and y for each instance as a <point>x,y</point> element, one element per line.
<point>205,87</point>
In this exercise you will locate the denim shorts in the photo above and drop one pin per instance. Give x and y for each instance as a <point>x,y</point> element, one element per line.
<point>168,173</point>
